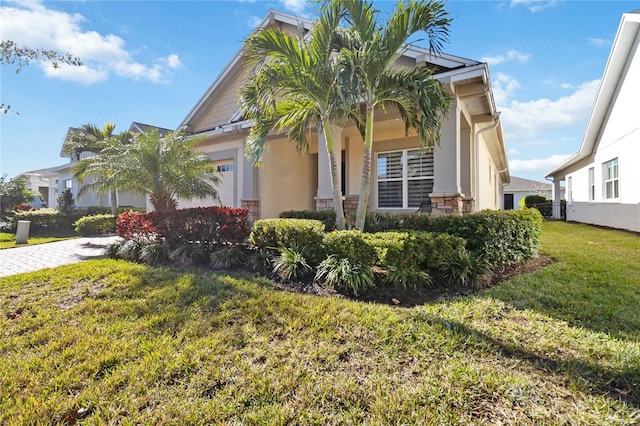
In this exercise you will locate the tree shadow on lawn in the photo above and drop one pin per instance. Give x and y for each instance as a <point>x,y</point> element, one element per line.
<point>620,386</point>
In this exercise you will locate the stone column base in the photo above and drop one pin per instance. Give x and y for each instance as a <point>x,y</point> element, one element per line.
<point>468,205</point>
<point>447,203</point>
<point>253,205</point>
<point>324,203</point>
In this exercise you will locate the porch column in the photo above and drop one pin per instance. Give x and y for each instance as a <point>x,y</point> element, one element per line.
<point>324,195</point>
<point>556,196</point>
<point>447,196</point>
<point>250,199</point>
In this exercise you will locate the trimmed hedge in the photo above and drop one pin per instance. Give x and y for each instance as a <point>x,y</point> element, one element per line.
<point>96,225</point>
<point>499,237</point>
<point>352,245</point>
<point>413,249</point>
<point>96,210</point>
<point>328,217</point>
<point>206,225</point>
<point>48,220</point>
<point>300,234</point>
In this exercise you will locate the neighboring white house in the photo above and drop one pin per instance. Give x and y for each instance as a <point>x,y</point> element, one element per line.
<point>44,182</point>
<point>519,188</point>
<point>466,172</point>
<point>602,180</point>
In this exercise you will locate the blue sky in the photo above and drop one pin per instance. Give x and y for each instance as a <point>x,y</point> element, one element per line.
<point>150,61</point>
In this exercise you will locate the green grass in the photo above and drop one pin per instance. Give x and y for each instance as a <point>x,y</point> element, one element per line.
<point>128,344</point>
<point>8,240</point>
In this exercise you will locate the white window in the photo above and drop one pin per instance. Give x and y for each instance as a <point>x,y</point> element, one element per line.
<point>228,167</point>
<point>592,184</point>
<point>68,183</point>
<point>405,178</point>
<point>611,181</point>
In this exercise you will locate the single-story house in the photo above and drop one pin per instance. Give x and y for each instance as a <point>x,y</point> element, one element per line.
<point>519,188</point>
<point>602,178</point>
<point>43,182</point>
<point>465,173</point>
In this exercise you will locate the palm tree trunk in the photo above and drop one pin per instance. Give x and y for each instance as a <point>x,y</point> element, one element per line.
<point>336,178</point>
<point>365,183</point>
<point>114,202</point>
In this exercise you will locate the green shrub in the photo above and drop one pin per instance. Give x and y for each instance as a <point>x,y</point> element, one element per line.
<point>130,251</point>
<point>500,237</point>
<point>260,259</point>
<point>352,245</point>
<point>412,249</point>
<point>302,234</point>
<point>532,200</point>
<point>96,225</point>
<point>154,254</point>
<point>112,250</point>
<point>328,217</point>
<point>189,254</point>
<point>94,210</point>
<point>411,276</point>
<point>291,264</point>
<point>342,273</point>
<point>228,257</point>
<point>461,267</point>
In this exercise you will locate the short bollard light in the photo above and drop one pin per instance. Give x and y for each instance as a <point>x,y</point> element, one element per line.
<point>22,233</point>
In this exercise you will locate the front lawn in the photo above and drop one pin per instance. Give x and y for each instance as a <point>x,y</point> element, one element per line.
<point>113,342</point>
<point>8,240</point>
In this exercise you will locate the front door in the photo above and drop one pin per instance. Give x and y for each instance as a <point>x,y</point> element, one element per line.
<point>508,201</point>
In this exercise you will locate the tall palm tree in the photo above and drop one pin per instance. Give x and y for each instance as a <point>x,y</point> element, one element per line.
<point>370,64</point>
<point>164,168</point>
<point>90,138</point>
<point>296,85</point>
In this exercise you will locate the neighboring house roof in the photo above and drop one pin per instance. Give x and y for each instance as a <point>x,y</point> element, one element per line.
<point>141,128</point>
<point>627,39</point>
<point>520,184</point>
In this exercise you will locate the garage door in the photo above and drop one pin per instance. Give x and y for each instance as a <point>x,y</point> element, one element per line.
<point>226,169</point>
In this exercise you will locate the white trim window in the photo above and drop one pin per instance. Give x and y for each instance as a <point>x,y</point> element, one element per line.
<point>611,180</point>
<point>405,178</point>
<point>592,184</point>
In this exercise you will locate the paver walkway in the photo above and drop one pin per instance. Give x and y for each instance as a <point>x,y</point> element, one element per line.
<point>32,258</point>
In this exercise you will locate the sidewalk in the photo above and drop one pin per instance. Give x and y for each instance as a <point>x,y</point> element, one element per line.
<point>32,258</point>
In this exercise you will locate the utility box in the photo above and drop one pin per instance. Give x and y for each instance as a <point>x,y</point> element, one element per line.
<point>22,233</point>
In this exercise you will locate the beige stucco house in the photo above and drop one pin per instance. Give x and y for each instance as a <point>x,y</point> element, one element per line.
<point>466,172</point>
<point>602,178</point>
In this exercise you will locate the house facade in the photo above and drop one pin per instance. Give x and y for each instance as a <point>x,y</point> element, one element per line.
<point>602,178</point>
<point>466,172</point>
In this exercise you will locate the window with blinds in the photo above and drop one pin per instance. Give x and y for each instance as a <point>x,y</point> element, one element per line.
<point>405,178</point>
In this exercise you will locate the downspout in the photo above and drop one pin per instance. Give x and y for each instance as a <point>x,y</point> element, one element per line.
<point>496,119</point>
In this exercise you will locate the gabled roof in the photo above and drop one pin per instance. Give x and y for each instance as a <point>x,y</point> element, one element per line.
<point>447,68</point>
<point>627,38</point>
<point>521,184</point>
<point>141,128</point>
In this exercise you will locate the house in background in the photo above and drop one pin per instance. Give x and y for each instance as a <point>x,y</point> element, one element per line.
<point>64,178</point>
<point>44,182</point>
<point>519,188</point>
<point>602,180</point>
<point>466,172</point>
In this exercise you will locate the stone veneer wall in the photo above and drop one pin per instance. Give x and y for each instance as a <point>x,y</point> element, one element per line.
<point>253,206</point>
<point>447,203</point>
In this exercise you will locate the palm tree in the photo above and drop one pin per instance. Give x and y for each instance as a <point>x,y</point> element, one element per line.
<point>90,138</point>
<point>297,85</point>
<point>164,168</point>
<point>370,63</point>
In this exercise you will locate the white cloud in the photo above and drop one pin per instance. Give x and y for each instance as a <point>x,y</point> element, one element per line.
<point>254,21</point>
<point>504,87</point>
<point>599,42</point>
<point>529,119</point>
<point>505,57</point>
<point>536,166</point>
<point>535,5</point>
<point>296,6</point>
<point>31,23</point>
